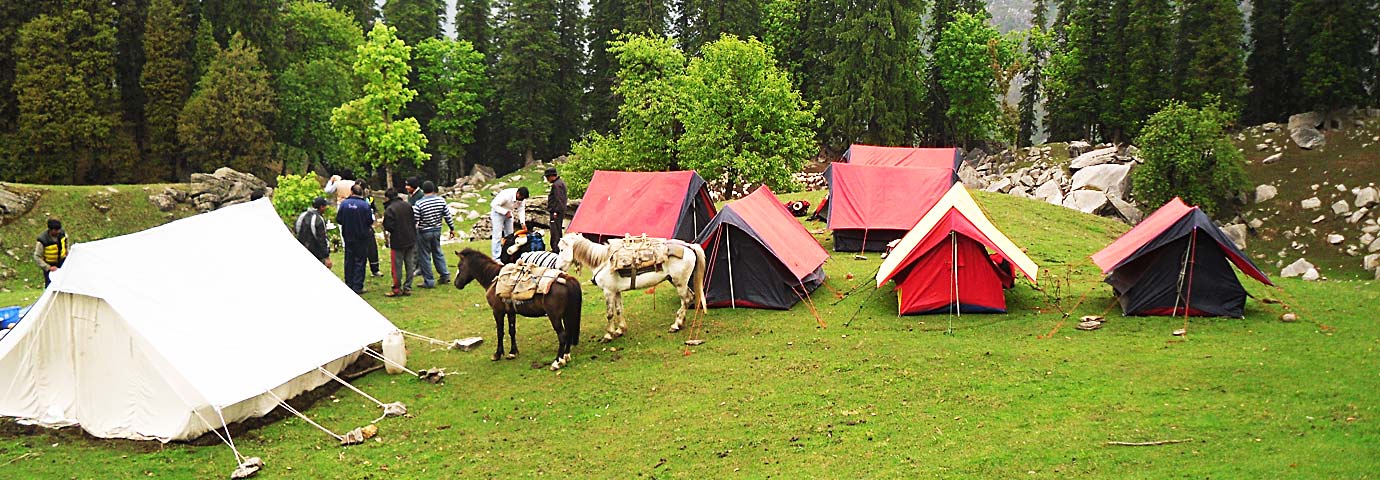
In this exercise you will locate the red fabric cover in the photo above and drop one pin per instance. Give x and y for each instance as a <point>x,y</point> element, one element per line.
<point>902,156</point>
<point>953,221</point>
<point>928,282</point>
<point>780,231</point>
<point>883,198</point>
<point>1150,229</point>
<point>633,203</point>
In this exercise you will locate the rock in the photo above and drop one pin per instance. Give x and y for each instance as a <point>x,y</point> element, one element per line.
<point>1028,181</point>
<point>1237,234</point>
<point>1050,192</point>
<point>1357,215</point>
<point>178,196</point>
<point>1298,268</point>
<point>1307,138</point>
<point>1095,157</point>
<point>164,202</point>
<point>1001,186</point>
<point>1265,192</point>
<point>1306,119</point>
<point>1319,219</point>
<point>1270,127</point>
<point>1289,318</point>
<point>1341,207</point>
<point>1112,179</point>
<point>971,178</point>
<point>1310,203</point>
<point>13,203</point>
<point>1335,239</point>
<point>1311,275</point>
<point>1367,197</point>
<point>1374,246</point>
<point>1255,223</point>
<point>1086,201</point>
<point>1272,158</point>
<point>1260,147</point>
<point>1371,262</point>
<point>1078,147</point>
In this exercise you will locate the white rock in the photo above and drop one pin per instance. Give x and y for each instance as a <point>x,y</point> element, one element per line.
<point>1310,203</point>
<point>1086,201</point>
<point>1340,187</point>
<point>1299,267</point>
<point>1095,157</point>
<point>1255,223</point>
<point>1000,186</point>
<point>1366,238</point>
<point>1371,229</point>
<point>1374,246</point>
<point>1127,210</point>
<point>1049,192</point>
<point>1265,192</point>
<point>1272,158</point>
<point>1311,275</point>
<point>1260,147</point>
<point>1109,178</point>
<point>1335,239</point>
<point>1319,219</point>
<point>1340,207</point>
<point>1366,197</point>
<point>1237,234</point>
<point>1357,215</point>
<point>1371,262</point>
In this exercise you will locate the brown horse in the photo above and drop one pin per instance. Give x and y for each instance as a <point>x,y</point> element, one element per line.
<point>561,305</point>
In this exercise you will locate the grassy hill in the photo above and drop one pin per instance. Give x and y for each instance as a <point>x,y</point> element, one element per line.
<point>771,394</point>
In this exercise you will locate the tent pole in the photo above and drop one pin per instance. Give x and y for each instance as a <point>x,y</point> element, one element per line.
<point>732,294</point>
<point>1193,259</point>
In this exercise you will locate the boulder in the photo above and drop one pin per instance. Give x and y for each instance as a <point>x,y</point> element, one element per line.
<point>1000,186</point>
<point>1374,246</point>
<point>1265,192</point>
<point>1306,119</point>
<point>1367,197</point>
<point>1078,147</point>
<point>175,194</point>
<point>1095,157</point>
<point>1237,234</point>
<point>1050,192</point>
<point>1311,275</point>
<point>1298,268</point>
<point>1357,215</point>
<point>971,178</point>
<point>1310,203</point>
<point>1335,239</point>
<point>13,203</point>
<point>1112,179</point>
<point>482,173</point>
<point>1270,127</point>
<point>164,202</point>
<point>1371,262</point>
<point>1128,211</point>
<point>1272,158</point>
<point>1340,207</point>
<point>228,174</point>
<point>1086,201</point>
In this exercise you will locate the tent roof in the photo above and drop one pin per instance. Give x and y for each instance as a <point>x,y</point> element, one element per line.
<point>947,158</point>
<point>635,203</point>
<point>763,215</point>
<point>229,298</point>
<point>955,212</point>
<point>1147,236</point>
<point>882,198</point>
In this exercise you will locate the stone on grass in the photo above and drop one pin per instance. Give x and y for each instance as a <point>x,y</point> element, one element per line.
<point>1335,239</point>
<point>1110,178</point>
<point>1095,157</point>
<point>1086,201</point>
<point>1310,203</point>
<point>1341,207</point>
<point>1265,192</point>
<point>1298,268</point>
<point>1237,234</point>
<point>1367,197</point>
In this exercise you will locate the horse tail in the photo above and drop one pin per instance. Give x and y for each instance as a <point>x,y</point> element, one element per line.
<point>698,277</point>
<point>574,303</point>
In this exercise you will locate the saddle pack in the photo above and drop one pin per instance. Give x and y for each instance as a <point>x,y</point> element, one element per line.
<point>520,282</point>
<point>640,253</point>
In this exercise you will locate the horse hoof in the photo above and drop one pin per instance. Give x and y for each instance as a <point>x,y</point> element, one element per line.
<point>608,337</point>
<point>675,328</point>
<point>510,356</point>
<point>496,357</point>
<point>555,366</point>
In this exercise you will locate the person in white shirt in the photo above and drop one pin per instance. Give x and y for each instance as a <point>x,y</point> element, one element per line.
<point>502,210</point>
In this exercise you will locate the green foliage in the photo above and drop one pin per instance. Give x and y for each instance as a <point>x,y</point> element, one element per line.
<point>474,23</point>
<point>364,12</point>
<point>1210,58</point>
<point>526,78</point>
<point>205,49</point>
<point>704,21</point>
<point>967,55</point>
<point>415,20</point>
<point>255,20</point>
<point>167,83</point>
<point>12,16</point>
<point>226,122</point>
<point>744,123</point>
<point>570,80</point>
<point>1331,52</point>
<point>873,90</point>
<point>937,125</point>
<point>294,195</point>
<point>1188,154</point>
<point>1148,76</point>
<point>1268,70</point>
<point>608,20</point>
<point>370,133</point>
<point>1039,41</point>
<point>320,44</point>
<point>451,77</point>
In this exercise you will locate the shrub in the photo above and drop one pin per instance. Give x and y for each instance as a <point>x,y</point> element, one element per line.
<point>1187,154</point>
<point>294,195</point>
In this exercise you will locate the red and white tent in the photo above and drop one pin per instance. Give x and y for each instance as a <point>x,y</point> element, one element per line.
<point>943,264</point>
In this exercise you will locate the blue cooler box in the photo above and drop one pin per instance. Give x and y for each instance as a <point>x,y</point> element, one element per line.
<point>9,316</point>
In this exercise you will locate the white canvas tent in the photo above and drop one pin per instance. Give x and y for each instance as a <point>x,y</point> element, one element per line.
<point>171,332</point>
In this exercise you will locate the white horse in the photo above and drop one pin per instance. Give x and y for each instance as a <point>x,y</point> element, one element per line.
<point>685,271</point>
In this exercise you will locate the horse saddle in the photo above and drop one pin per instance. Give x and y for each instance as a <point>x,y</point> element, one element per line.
<point>640,253</point>
<point>520,282</point>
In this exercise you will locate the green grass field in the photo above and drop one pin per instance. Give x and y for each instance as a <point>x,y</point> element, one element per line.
<point>771,394</point>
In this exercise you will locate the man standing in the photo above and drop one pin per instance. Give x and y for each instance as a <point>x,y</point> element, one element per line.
<point>555,203</point>
<point>51,250</point>
<point>311,231</point>
<point>400,234</point>
<point>373,244</point>
<point>501,210</point>
<point>356,229</point>
<point>430,211</point>
<point>338,188</point>
<point>413,187</point>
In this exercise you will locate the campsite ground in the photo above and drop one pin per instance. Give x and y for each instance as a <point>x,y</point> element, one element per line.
<point>772,394</point>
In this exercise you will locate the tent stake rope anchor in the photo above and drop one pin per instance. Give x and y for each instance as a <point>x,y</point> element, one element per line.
<point>303,416</point>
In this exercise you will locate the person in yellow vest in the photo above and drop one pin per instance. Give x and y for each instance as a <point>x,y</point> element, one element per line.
<point>51,250</point>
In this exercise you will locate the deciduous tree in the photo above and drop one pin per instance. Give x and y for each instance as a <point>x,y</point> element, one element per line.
<point>370,132</point>
<point>1188,154</point>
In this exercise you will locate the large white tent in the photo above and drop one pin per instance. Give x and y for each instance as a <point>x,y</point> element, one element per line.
<point>171,332</point>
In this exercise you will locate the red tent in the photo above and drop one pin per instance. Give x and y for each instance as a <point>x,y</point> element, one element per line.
<point>948,158</point>
<point>657,204</point>
<point>1177,261</point>
<point>942,264</point>
<point>759,255</point>
<point>870,205</point>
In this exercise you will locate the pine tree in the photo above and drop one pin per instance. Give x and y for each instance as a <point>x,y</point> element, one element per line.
<point>416,20</point>
<point>165,81</point>
<point>1037,47</point>
<point>1078,72</point>
<point>204,49</point>
<point>570,80</point>
<point>129,61</point>
<point>874,92</point>
<point>68,102</point>
<point>1148,78</point>
<point>363,11</point>
<point>801,34</point>
<point>704,21</point>
<point>1268,69</point>
<point>12,16</point>
<point>225,123</point>
<point>607,20</point>
<point>1330,45</point>
<point>937,126</point>
<point>255,20</point>
<point>526,74</point>
<point>474,23</point>
<point>1210,57</point>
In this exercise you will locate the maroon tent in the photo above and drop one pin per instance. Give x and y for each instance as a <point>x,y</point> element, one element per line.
<point>870,206</point>
<point>657,204</point>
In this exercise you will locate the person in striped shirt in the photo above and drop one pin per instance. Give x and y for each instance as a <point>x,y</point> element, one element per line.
<point>430,211</point>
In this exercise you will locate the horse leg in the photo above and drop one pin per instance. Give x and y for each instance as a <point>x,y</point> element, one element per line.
<point>498,325</point>
<point>609,308</point>
<point>622,320</point>
<point>687,297</point>
<point>512,336</point>
<point>560,340</point>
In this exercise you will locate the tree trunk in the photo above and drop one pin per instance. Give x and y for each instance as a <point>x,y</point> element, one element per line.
<point>388,176</point>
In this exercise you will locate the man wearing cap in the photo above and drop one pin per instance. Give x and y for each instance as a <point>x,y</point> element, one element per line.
<point>555,203</point>
<point>51,250</point>
<point>311,231</point>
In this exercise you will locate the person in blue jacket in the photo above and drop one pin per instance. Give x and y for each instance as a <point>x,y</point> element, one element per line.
<point>356,220</point>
